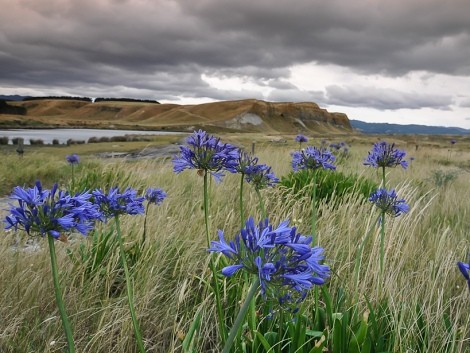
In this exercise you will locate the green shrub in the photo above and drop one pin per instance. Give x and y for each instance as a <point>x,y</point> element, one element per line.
<point>441,178</point>
<point>4,140</point>
<point>36,142</point>
<point>118,139</point>
<point>329,184</point>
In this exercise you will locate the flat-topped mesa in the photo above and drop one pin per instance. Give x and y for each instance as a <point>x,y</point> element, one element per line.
<point>248,115</point>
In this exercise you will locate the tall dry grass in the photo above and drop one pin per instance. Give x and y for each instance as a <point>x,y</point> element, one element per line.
<point>421,280</point>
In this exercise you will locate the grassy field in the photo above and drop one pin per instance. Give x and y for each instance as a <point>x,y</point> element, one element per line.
<point>421,304</point>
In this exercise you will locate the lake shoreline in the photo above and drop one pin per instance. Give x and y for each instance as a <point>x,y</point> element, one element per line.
<point>71,136</point>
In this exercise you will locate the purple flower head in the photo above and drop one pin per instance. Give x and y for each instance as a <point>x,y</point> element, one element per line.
<point>155,196</point>
<point>301,138</point>
<point>51,212</point>
<point>260,176</point>
<point>388,202</point>
<point>205,152</point>
<point>115,203</point>
<point>453,142</point>
<point>284,261</point>
<point>465,269</point>
<point>244,162</point>
<point>384,155</point>
<point>335,146</point>
<point>73,158</point>
<point>313,158</point>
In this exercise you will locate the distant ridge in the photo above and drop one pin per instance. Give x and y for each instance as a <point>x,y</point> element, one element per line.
<point>386,128</point>
<point>246,115</point>
<point>14,97</point>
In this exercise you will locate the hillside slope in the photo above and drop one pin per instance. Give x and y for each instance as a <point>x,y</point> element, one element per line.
<point>243,115</point>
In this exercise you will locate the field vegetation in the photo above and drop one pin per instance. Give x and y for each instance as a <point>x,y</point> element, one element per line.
<point>421,303</point>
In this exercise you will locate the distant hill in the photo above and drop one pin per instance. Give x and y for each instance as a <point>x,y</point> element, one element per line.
<point>249,115</point>
<point>385,128</point>
<point>13,97</point>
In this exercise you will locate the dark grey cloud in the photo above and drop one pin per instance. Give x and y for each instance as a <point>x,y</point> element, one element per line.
<point>384,99</point>
<point>465,103</point>
<point>160,48</point>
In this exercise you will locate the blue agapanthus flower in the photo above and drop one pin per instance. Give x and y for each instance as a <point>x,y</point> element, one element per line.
<point>115,203</point>
<point>388,202</point>
<point>465,269</point>
<point>313,158</point>
<point>51,212</point>
<point>73,158</point>
<point>284,260</point>
<point>260,176</point>
<point>245,161</point>
<point>301,138</point>
<point>385,155</point>
<point>206,153</point>
<point>155,196</point>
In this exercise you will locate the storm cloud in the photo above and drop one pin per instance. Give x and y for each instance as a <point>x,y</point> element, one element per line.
<point>163,49</point>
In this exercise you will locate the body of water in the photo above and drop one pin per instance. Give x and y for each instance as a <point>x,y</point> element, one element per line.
<point>62,135</point>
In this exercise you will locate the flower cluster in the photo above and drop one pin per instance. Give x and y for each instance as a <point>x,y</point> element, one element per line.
<point>301,138</point>
<point>258,175</point>
<point>73,159</point>
<point>388,202</point>
<point>245,161</point>
<point>313,158</point>
<point>465,269</point>
<point>385,155</point>
<point>155,196</point>
<point>115,203</point>
<point>51,212</point>
<point>207,153</point>
<point>284,260</point>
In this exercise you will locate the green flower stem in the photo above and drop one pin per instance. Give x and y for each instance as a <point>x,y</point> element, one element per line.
<point>145,225</point>
<point>241,316</point>
<point>382,245</point>
<point>252,315</point>
<point>382,236</point>
<point>206,209</point>
<point>383,178</point>
<point>242,215</point>
<point>58,296</point>
<point>261,204</point>
<point>314,226</point>
<point>130,294</point>
<point>220,313</point>
<point>73,179</point>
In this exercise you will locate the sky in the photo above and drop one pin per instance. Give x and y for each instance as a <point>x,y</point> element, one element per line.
<point>395,61</point>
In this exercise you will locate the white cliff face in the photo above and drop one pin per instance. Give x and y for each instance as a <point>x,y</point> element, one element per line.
<point>244,119</point>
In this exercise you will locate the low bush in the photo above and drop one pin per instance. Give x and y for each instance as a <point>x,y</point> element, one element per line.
<point>330,184</point>
<point>4,140</point>
<point>36,142</point>
<point>118,139</point>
